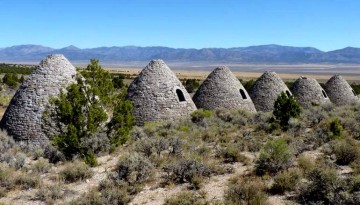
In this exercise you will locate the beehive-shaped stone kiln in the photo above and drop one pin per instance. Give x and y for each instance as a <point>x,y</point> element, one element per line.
<point>308,92</point>
<point>222,90</point>
<point>339,91</point>
<point>23,117</point>
<point>266,90</point>
<point>157,94</point>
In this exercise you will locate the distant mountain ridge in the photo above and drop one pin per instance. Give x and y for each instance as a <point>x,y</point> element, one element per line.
<point>276,54</point>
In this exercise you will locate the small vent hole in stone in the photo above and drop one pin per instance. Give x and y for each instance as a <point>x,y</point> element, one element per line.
<point>323,92</point>
<point>180,95</point>
<point>243,95</point>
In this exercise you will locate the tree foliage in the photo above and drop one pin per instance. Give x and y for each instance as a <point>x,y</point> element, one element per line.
<point>286,107</point>
<point>123,120</point>
<point>249,84</point>
<point>81,114</point>
<point>11,79</point>
<point>77,115</point>
<point>99,81</point>
<point>191,85</point>
<point>118,81</point>
<point>17,69</point>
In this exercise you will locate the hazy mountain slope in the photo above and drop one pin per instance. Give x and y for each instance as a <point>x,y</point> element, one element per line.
<point>251,54</point>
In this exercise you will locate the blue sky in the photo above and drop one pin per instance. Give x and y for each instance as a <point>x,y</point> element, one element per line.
<point>325,24</point>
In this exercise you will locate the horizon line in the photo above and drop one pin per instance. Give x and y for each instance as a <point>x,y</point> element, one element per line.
<point>122,46</point>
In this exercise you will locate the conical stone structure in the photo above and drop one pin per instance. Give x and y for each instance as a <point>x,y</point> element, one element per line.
<point>266,90</point>
<point>222,90</point>
<point>23,117</point>
<point>339,91</point>
<point>157,94</point>
<point>308,92</point>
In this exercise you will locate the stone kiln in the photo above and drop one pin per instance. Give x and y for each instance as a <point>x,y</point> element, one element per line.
<point>23,117</point>
<point>222,90</point>
<point>157,94</point>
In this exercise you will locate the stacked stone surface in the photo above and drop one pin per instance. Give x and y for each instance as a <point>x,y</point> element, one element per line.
<point>23,117</point>
<point>308,92</point>
<point>222,90</point>
<point>339,91</point>
<point>266,90</point>
<point>157,94</point>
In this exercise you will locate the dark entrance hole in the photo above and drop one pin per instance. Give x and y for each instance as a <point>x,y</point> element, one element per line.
<point>243,95</point>
<point>180,95</point>
<point>323,92</point>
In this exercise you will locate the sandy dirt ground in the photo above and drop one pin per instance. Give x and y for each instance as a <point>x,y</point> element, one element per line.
<point>2,111</point>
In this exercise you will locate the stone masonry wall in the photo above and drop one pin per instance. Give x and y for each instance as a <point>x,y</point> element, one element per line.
<point>154,95</point>
<point>221,90</point>
<point>339,91</point>
<point>308,92</point>
<point>266,90</point>
<point>23,117</point>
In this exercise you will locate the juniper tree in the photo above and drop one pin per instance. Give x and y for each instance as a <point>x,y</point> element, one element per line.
<point>286,107</point>
<point>82,111</point>
<point>122,121</point>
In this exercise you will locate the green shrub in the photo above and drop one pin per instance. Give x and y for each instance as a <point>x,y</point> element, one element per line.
<point>286,181</point>
<point>289,84</point>
<point>346,151</point>
<point>184,170</point>
<point>11,79</point>
<point>5,99</point>
<point>134,168</point>
<point>75,171</point>
<point>249,84</point>
<point>49,194</point>
<point>355,167</point>
<point>7,181</point>
<point>27,181</point>
<point>53,154</point>
<point>336,128</point>
<point>274,156</point>
<point>323,133</point>
<point>197,182</point>
<point>22,79</point>
<point>232,153</point>
<point>306,164</point>
<point>356,88</point>
<point>324,187</point>
<point>41,166</point>
<point>191,85</point>
<point>199,115</point>
<point>286,107</point>
<point>246,191</point>
<point>90,159</point>
<point>15,160</point>
<point>107,193</point>
<point>185,198</point>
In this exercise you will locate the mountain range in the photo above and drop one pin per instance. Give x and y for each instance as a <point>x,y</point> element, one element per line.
<point>275,54</point>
